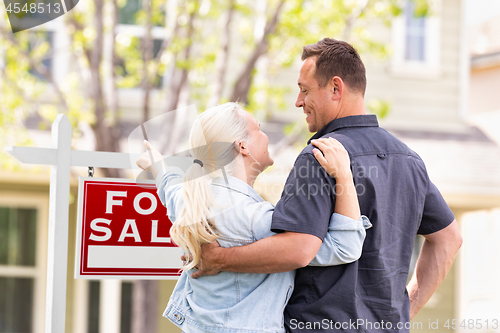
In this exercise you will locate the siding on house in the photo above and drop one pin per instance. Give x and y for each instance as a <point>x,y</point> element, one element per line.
<point>422,103</point>
<point>484,85</point>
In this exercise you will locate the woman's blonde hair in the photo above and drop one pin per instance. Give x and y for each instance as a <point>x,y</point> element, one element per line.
<point>212,142</point>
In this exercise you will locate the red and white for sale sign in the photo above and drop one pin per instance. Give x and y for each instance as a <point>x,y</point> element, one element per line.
<point>123,232</point>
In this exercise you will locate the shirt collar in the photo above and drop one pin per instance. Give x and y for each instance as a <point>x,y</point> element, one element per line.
<point>365,120</point>
<point>238,185</point>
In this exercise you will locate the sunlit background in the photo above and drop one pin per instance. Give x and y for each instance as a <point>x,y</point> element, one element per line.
<point>433,70</point>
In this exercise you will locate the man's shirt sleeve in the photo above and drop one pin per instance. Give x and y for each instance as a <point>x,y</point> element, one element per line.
<point>307,201</point>
<point>437,214</point>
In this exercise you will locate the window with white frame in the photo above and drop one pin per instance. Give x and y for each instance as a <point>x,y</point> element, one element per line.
<point>18,229</point>
<point>416,42</point>
<point>22,264</point>
<point>414,34</point>
<point>130,39</point>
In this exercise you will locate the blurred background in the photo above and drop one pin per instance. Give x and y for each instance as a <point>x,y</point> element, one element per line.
<point>433,70</point>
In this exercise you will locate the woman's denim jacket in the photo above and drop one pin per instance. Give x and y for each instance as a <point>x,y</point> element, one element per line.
<point>245,302</point>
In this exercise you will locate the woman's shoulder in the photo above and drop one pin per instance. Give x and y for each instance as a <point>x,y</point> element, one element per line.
<point>240,213</point>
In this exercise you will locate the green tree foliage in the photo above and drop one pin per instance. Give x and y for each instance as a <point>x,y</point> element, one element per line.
<point>175,49</point>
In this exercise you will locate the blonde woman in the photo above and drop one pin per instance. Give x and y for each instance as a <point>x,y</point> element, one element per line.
<point>207,205</point>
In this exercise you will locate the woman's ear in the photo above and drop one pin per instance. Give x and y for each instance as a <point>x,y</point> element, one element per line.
<point>241,148</point>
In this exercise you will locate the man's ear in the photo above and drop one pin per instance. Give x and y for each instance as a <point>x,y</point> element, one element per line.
<point>337,87</point>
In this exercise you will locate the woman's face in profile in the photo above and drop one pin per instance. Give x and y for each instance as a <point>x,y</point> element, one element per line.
<point>258,146</point>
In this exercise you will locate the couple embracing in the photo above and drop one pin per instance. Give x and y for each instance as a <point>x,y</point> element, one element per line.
<point>336,259</point>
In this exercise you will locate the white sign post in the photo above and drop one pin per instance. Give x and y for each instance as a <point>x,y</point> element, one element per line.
<point>60,157</point>
<point>55,312</point>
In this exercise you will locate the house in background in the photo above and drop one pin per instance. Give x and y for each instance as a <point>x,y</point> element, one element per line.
<point>426,82</point>
<point>484,104</point>
<point>480,294</point>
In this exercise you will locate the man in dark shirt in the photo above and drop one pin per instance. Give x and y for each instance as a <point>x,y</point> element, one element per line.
<point>394,191</point>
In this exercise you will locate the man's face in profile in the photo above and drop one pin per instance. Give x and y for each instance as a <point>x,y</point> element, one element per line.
<point>316,101</point>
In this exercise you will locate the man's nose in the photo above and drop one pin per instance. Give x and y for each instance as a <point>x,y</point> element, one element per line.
<point>299,102</point>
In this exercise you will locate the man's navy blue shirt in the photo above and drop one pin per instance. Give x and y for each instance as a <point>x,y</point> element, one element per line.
<point>395,192</point>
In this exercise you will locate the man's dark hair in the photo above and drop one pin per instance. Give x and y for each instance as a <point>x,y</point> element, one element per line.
<point>337,58</point>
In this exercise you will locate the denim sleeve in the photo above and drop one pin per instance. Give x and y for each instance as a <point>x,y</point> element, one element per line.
<point>169,185</point>
<point>261,221</point>
<point>343,241</point>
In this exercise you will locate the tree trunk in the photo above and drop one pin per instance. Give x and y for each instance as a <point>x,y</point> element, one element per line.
<point>244,82</point>
<point>114,93</point>
<point>144,294</point>
<point>222,58</point>
<point>170,134</point>
<point>352,18</point>
<point>106,135</point>
<point>147,56</point>
<point>144,306</point>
